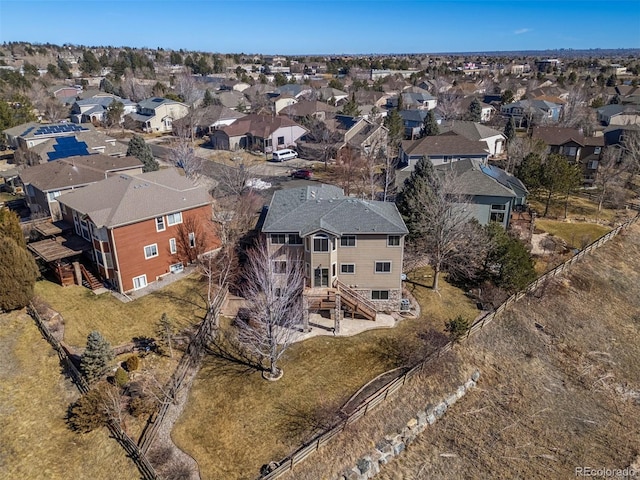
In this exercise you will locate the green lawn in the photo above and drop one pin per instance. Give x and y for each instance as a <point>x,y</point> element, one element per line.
<point>250,421</point>
<point>35,442</point>
<point>120,322</point>
<point>577,235</point>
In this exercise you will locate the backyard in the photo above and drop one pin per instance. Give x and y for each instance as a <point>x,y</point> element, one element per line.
<point>251,421</point>
<point>35,442</point>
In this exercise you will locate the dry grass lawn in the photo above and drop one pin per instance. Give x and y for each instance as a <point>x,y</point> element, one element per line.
<point>119,322</point>
<point>250,421</point>
<point>580,208</point>
<point>576,235</point>
<point>35,442</point>
<point>554,397</point>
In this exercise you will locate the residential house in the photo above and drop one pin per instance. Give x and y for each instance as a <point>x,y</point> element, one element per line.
<point>40,143</point>
<point>331,95</point>
<point>616,114</point>
<point>157,114</point>
<point>528,112</point>
<point>474,131</point>
<point>295,90</point>
<point>615,134</point>
<point>355,246</point>
<point>359,134</point>
<point>258,132</point>
<point>413,121</point>
<point>486,111</point>
<point>234,100</point>
<point>309,109</point>
<point>414,98</point>
<point>44,183</point>
<point>210,118</point>
<point>571,143</point>
<point>94,109</point>
<point>490,194</point>
<point>440,149</point>
<point>141,227</point>
<point>282,101</point>
<point>371,97</point>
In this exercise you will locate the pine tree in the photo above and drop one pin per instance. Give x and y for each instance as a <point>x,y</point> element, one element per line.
<point>430,126</point>
<point>138,148</point>
<point>207,101</point>
<point>475,111</point>
<point>94,363</point>
<point>351,107</point>
<point>18,274</point>
<point>395,126</point>
<point>510,129</point>
<point>10,226</point>
<point>417,190</point>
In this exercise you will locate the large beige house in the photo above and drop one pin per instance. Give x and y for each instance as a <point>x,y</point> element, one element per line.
<point>351,248</point>
<point>158,114</point>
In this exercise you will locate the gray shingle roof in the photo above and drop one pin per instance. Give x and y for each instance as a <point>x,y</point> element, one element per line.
<point>446,144</point>
<point>125,199</point>
<point>75,171</point>
<point>481,180</point>
<point>471,130</point>
<point>324,207</point>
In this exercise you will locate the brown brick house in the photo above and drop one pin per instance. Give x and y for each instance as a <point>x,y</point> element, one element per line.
<point>141,227</point>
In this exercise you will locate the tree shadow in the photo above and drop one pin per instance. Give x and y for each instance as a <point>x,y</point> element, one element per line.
<point>225,356</point>
<point>305,421</point>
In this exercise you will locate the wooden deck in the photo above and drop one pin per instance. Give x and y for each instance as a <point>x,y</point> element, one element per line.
<point>53,249</point>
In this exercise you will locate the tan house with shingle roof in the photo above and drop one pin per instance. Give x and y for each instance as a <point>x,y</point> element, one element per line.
<point>141,227</point>
<point>44,183</point>
<point>441,149</point>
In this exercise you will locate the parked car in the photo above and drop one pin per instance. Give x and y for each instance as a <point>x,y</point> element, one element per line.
<point>302,173</point>
<point>285,154</point>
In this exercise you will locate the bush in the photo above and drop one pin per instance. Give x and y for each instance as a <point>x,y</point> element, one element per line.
<point>121,377</point>
<point>457,327</point>
<point>132,363</point>
<point>142,406</point>
<point>88,412</point>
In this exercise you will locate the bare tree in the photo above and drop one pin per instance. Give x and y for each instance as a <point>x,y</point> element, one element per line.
<point>132,88</point>
<point>576,109</point>
<point>273,293</point>
<point>440,224</point>
<point>612,167</point>
<point>450,105</point>
<point>631,148</point>
<point>192,239</point>
<point>232,180</point>
<point>184,156</point>
<point>54,111</point>
<point>519,147</point>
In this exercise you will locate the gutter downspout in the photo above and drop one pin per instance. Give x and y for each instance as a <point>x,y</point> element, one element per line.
<point>115,260</point>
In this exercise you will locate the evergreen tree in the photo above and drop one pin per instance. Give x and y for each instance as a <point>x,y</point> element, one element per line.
<point>510,129</point>
<point>89,64</point>
<point>114,113</point>
<point>208,99</point>
<point>400,106</point>
<point>175,58</point>
<point>417,190</point>
<point>430,126</point>
<point>395,125</point>
<point>529,172</point>
<point>18,274</point>
<point>10,227</point>
<point>138,148</point>
<point>558,177</point>
<point>475,111</point>
<point>509,263</point>
<point>94,362</point>
<point>351,107</point>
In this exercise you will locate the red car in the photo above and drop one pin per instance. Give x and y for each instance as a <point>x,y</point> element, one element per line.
<point>303,173</point>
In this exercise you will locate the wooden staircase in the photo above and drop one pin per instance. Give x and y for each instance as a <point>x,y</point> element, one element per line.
<point>354,302</point>
<point>350,301</point>
<point>89,280</point>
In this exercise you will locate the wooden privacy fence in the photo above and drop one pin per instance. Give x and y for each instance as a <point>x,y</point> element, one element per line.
<point>138,457</point>
<point>190,359</point>
<point>390,388</point>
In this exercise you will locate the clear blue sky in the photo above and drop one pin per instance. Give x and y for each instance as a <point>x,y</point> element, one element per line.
<point>316,26</point>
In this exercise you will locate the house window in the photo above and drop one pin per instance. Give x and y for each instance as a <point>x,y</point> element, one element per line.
<point>279,266</point>
<point>280,141</point>
<point>320,243</point>
<point>597,150</point>
<point>295,239</point>
<point>333,270</point>
<point>174,218</point>
<point>383,267</point>
<point>173,248</point>
<point>139,282</point>
<point>348,268</point>
<point>278,238</point>
<point>151,251</point>
<point>379,294</point>
<point>268,142</point>
<point>348,241</point>
<point>393,241</point>
<point>160,224</point>
<point>176,267</point>
<point>498,213</point>
<point>192,240</point>
<point>571,151</point>
<point>53,195</point>
<point>593,165</point>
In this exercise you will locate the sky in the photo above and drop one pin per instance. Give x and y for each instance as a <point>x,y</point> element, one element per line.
<point>326,27</point>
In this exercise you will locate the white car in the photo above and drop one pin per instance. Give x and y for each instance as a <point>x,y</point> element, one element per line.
<point>285,154</point>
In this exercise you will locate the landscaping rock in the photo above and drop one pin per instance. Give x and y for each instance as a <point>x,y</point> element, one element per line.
<point>431,419</point>
<point>364,465</point>
<point>460,392</point>
<point>451,399</point>
<point>475,376</point>
<point>398,448</point>
<point>440,409</point>
<point>384,446</point>
<point>469,384</point>
<point>384,459</point>
<point>422,419</point>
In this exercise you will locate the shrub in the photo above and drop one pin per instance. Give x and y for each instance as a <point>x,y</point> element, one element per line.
<point>142,406</point>
<point>121,377</point>
<point>89,411</point>
<point>132,363</point>
<point>457,327</point>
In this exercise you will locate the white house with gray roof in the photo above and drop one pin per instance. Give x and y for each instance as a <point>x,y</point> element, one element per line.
<point>349,246</point>
<point>158,114</point>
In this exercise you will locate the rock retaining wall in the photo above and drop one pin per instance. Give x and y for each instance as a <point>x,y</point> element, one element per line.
<point>393,445</point>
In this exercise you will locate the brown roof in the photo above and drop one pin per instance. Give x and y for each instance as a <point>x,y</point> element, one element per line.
<point>307,107</point>
<point>562,135</point>
<point>258,125</point>
<point>447,144</point>
<point>75,171</point>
